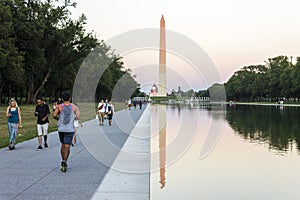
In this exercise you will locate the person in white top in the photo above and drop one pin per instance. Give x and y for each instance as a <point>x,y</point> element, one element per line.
<point>129,103</point>
<point>101,112</point>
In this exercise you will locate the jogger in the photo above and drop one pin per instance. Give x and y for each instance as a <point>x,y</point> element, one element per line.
<point>66,112</point>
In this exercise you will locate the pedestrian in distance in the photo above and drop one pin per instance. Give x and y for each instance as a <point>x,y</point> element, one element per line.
<point>126,104</point>
<point>66,113</point>
<point>134,104</point>
<point>105,108</point>
<point>77,123</point>
<point>42,113</point>
<point>110,112</point>
<point>101,112</point>
<point>13,113</point>
<point>140,104</point>
<point>129,104</point>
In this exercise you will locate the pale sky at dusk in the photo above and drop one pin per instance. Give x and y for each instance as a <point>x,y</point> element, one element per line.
<point>233,33</point>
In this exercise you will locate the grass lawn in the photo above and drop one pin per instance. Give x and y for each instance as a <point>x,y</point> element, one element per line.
<point>29,131</point>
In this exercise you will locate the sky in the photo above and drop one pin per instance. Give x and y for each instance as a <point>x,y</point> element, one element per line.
<point>233,33</point>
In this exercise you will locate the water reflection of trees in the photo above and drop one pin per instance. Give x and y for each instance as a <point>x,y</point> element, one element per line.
<point>279,128</point>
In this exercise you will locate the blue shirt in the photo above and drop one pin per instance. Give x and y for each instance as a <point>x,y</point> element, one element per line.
<point>15,115</point>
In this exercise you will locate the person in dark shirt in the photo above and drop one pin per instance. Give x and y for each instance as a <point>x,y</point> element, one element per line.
<point>110,112</point>
<point>42,113</point>
<point>140,104</point>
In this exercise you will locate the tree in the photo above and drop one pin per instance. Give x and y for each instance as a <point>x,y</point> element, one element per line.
<point>44,48</point>
<point>259,88</point>
<point>217,92</point>
<point>51,42</point>
<point>295,77</point>
<point>274,80</point>
<point>11,60</point>
<point>202,93</point>
<point>277,68</point>
<point>138,93</point>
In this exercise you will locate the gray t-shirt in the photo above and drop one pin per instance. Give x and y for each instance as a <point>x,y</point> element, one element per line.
<point>66,119</point>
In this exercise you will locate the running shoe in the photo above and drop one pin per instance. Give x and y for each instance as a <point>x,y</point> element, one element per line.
<point>64,166</point>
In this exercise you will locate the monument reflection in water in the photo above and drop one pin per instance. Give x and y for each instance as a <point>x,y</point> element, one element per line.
<point>158,131</point>
<point>162,145</point>
<point>257,156</point>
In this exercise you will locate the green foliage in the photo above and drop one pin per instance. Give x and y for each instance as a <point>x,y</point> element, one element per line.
<point>202,93</point>
<point>277,78</point>
<point>138,93</point>
<point>217,92</point>
<point>40,45</point>
<point>104,66</point>
<point>11,60</point>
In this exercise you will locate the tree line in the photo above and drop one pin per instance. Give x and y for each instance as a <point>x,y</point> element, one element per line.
<point>42,49</point>
<point>278,78</point>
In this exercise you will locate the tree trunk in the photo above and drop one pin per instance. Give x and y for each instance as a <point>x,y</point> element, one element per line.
<point>30,91</point>
<point>42,85</point>
<point>1,95</point>
<point>9,91</point>
<point>21,94</point>
<point>16,91</point>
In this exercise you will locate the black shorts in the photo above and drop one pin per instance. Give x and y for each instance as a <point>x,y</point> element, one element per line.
<point>66,137</point>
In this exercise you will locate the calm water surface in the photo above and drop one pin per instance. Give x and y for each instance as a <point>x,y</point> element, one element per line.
<point>220,153</point>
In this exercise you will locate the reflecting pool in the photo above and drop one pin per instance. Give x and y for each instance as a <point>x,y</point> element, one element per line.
<point>221,152</point>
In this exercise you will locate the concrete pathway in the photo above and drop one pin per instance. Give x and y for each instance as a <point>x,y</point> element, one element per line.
<point>129,176</point>
<point>30,174</point>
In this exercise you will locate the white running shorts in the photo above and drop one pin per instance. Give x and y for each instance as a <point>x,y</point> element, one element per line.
<point>42,129</point>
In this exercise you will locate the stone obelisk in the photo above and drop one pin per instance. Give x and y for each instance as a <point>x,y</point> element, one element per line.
<point>162,81</point>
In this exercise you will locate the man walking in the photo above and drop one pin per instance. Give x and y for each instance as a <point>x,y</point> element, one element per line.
<point>66,112</point>
<point>42,113</point>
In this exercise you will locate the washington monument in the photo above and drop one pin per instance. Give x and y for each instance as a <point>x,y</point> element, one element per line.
<point>162,81</point>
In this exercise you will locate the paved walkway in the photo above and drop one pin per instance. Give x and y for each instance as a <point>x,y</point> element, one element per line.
<point>30,174</point>
<point>129,176</point>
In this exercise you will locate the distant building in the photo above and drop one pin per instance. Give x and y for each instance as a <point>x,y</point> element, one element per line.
<point>178,93</point>
<point>154,90</point>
